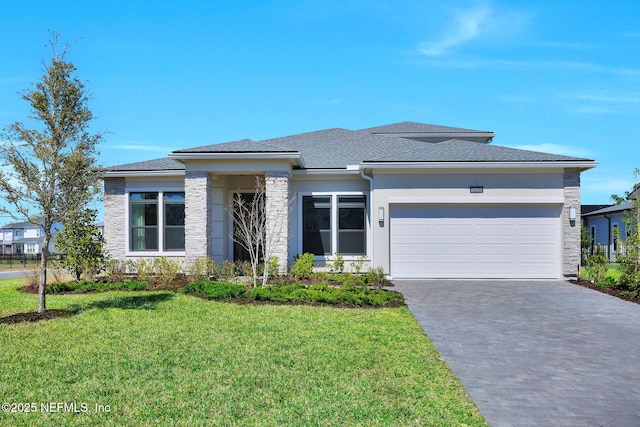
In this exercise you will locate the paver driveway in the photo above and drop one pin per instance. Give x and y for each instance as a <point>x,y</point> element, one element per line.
<point>535,353</point>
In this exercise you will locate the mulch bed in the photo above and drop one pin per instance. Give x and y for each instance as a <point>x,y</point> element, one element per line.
<point>610,291</point>
<point>34,316</point>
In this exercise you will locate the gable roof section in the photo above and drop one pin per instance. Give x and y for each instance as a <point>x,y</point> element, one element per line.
<point>413,127</point>
<point>239,146</point>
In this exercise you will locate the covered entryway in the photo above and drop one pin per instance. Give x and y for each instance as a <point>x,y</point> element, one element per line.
<point>475,241</point>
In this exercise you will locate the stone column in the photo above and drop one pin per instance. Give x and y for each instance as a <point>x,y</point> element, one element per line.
<point>115,221</point>
<point>277,216</point>
<point>197,207</point>
<point>571,228</point>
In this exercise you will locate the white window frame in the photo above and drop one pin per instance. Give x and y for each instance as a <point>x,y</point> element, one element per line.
<point>160,191</point>
<point>334,222</point>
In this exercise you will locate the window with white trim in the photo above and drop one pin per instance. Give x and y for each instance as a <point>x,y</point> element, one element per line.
<point>334,224</point>
<point>156,219</point>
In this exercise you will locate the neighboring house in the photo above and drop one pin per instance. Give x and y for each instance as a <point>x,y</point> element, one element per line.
<point>419,200</point>
<point>22,238</point>
<point>607,227</point>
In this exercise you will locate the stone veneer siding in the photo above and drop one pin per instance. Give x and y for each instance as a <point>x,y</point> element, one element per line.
<point>277,211</point>
<point>115,221</point>
<point>197,207</point>
<point>571,228</point>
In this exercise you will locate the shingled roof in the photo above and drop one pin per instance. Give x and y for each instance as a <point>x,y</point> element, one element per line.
<point>240,146</point>
<point>149,165</point>
<point>338,148</point>
<point>456,150</point>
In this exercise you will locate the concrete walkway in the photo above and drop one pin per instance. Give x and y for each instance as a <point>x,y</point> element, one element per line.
<point>535,353</point>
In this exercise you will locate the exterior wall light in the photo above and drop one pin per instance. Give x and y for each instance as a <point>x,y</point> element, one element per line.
<point>572,213</point>
<point>381,214</point>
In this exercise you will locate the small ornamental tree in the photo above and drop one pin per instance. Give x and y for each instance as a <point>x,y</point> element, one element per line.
<point>49,168</point>
<point>81,245</point>
<point>630,259</point>
<point>251,229</point>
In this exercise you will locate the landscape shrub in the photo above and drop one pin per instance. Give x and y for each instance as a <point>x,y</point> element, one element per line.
<point>95,286</point>
<point>117,270</point>
<point>200,268</point>
<point>358,264</point>
<point>216,290</point>
<point>338,264</point>
<point>144,269</point>
<point>303,266</point>
<point>228,270</point>
<point>322,293</point>
<point>166,269</point>
<point>273,267</point>
<point>376,277</point>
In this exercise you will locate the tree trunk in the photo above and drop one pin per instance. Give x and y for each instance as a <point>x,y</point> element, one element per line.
<point>42,288</point>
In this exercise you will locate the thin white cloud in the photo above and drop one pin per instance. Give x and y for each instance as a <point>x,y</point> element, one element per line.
<point>139,147</point>
<point>505,64</point>
<point>599,183</point>
<point>625,99</point>
<point>566,150</point>
<point>604,103</point>
<point>467,27</point>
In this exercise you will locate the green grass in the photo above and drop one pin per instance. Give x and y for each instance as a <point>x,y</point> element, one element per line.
<point>161,358</point>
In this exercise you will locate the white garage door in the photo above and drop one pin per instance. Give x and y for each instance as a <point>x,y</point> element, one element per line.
<point>481,241</point>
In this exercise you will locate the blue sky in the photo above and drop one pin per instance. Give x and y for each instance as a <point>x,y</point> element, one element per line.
<point>560,77</point>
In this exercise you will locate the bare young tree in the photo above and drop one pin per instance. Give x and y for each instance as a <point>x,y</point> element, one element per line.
<point>50,171</point>
<point>253,233</point>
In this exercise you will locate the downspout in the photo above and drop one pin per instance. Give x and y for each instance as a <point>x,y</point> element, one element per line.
<point>608,237</point>
<point>370,179</point>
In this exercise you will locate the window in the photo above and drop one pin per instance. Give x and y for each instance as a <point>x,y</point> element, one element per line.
<point>334,223</point>
<point>352,233</point>
<point>144,221</point>
<point>147,233</point>
<point>316,223</point>
<point>30,248</point>
<point>616,234</point>
<point>174,221</point>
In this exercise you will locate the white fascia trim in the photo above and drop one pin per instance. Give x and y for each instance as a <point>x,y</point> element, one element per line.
<point>326,171</point>
<point>124,174</point>
<point>238,156</point>
<point>479,200</point>
<point>481,165</point>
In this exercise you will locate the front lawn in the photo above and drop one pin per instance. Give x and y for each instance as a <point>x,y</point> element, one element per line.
<point>165,358</point>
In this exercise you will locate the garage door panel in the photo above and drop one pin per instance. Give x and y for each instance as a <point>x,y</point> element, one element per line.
<point>493,250</point>
<point>482,241</point>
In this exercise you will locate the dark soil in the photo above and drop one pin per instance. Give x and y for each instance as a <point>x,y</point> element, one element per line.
<point>610,291</point>
<point>34,316</point>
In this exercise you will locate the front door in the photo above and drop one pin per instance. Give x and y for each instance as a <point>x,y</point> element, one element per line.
<point>240,253</point>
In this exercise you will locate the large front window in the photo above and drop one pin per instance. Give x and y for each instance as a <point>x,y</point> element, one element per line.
<point>316,223</point>
<point>334,224</point>
<point>146,210</point>
<point>351,225</point>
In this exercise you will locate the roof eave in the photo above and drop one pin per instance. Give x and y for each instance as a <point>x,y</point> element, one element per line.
<point>579,164</point>
<point>291,155</point>
<point>131,173</point>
